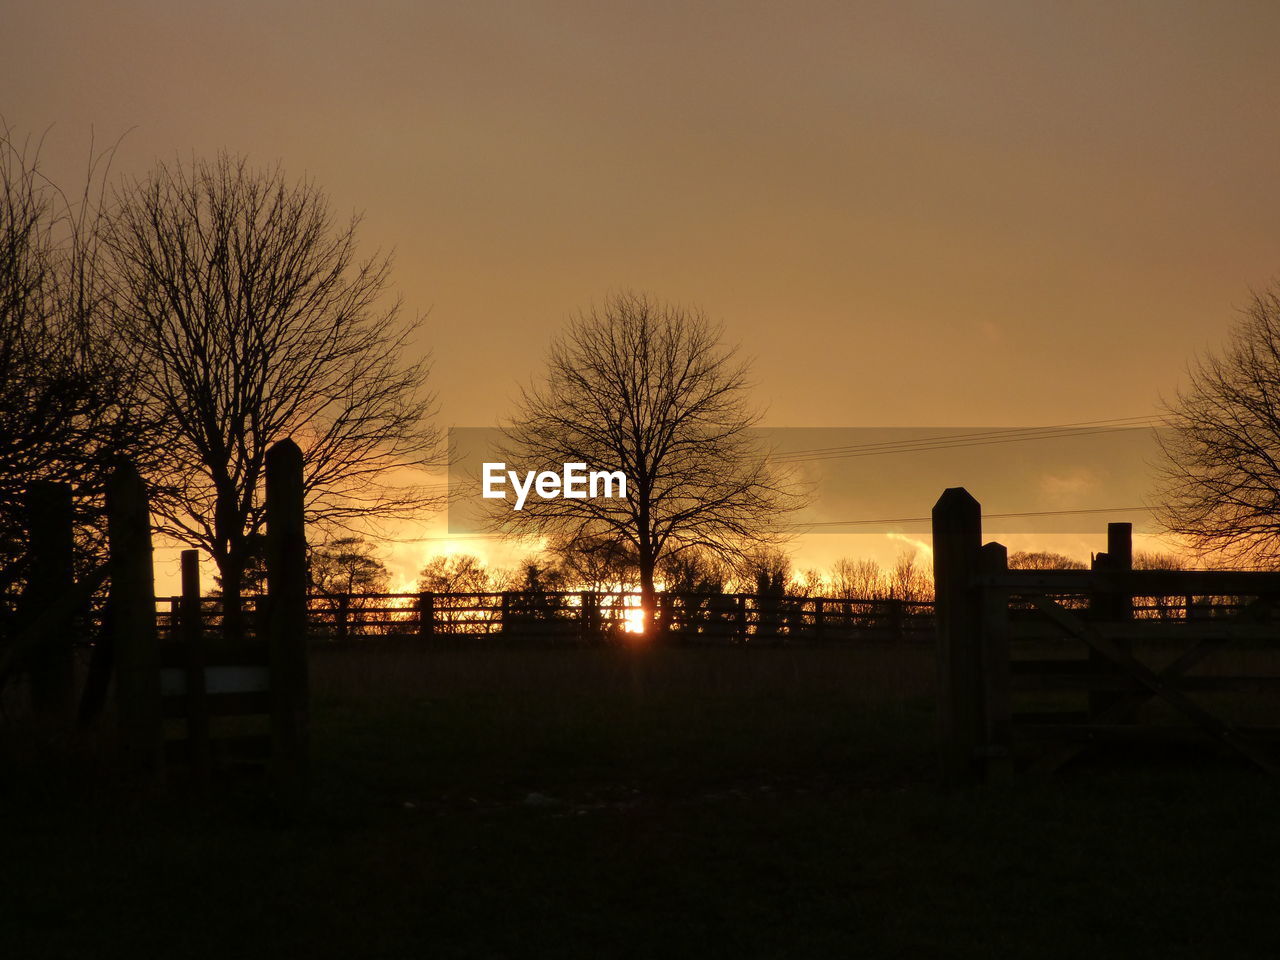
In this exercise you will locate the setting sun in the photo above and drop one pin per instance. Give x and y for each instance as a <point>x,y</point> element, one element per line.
<point>633,618</point>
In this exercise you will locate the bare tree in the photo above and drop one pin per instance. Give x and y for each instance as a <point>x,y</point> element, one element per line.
<point>809,582</point>
<point>858,580</point>
<point>1155,560</point>
<point>347,565</point>
<point>596,563</point>
<point>337,570</point>
<point>64,412</point>
<point>696,572</point>
<point>646,388</point>
<point>252,318</point>
<point>764,570</point>
<point>460,573</point>
<point>1042,560</point>
<point>909,581</point>
<point>1219,487</point>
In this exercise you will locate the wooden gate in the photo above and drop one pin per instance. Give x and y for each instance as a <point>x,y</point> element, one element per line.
<point>1038,665</point>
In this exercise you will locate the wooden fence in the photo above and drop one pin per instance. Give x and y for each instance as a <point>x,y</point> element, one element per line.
<point>591,617</point>
<point>1035,666</point>
<point>183,693</point>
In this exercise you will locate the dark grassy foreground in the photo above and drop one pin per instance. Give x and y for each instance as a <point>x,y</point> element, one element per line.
<point>669,804</point>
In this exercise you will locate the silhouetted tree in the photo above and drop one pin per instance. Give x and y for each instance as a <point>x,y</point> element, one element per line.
<point>809,582</point>
<point>345,568</point>
<point>858,580</point>
<point>460,573</point>
<point>765,571</point>
<point>254,319</point>
<point>594,563</point>
<point>347,565</point>
<point>64,404</point>
<point>646,388</point>
<point>695,572</point>
<point>1219,488</point>
<point>909,581</point>
<point>1152,560</point>
<point>1043,560</point>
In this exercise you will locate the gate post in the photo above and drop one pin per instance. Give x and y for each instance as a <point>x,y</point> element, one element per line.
<point>957,545</point>
<point>287,622</point>
<point>133,621</point>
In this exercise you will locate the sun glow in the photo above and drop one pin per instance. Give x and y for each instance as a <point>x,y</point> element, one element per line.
<point>633,617</point>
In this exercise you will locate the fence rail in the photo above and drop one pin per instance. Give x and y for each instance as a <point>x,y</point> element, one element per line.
<point>587,617</point>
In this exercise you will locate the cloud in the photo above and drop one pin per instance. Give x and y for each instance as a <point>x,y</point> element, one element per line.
<point>1067,489</point>
<point>918,546</point>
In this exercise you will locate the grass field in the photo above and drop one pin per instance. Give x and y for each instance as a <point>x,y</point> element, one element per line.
<point>672,803</point>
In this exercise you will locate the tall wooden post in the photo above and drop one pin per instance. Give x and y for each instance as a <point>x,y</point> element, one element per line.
<point>190,629</point>
<point>49,584</point>
<point>1111,605</point>
<point>133,621</point>
<point>287,622</point>
<point>957,546</point>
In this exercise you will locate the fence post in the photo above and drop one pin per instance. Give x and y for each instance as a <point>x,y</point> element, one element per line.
<point>819,617</point>
<point>897,629</point>
<point>51,579</point>
<point>343,617</point>
<point>426,616</point>
<point>1111,605</point>
<point>997,708</point>
<point>742,618</point>
<point>584,616</point>
<point>287,622</point>
<point>190,629</point>
<point>133,621</point>
<point>957,545</point>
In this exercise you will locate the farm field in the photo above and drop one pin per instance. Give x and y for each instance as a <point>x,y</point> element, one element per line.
<point>640,803</point>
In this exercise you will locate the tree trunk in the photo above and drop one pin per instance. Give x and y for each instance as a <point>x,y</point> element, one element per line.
<point>648,599</point>
<point>231,573</point>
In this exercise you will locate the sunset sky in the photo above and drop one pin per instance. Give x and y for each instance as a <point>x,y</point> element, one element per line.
<point>912,214</point>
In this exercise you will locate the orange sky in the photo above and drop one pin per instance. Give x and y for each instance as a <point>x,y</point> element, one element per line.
<point>942,214</point>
